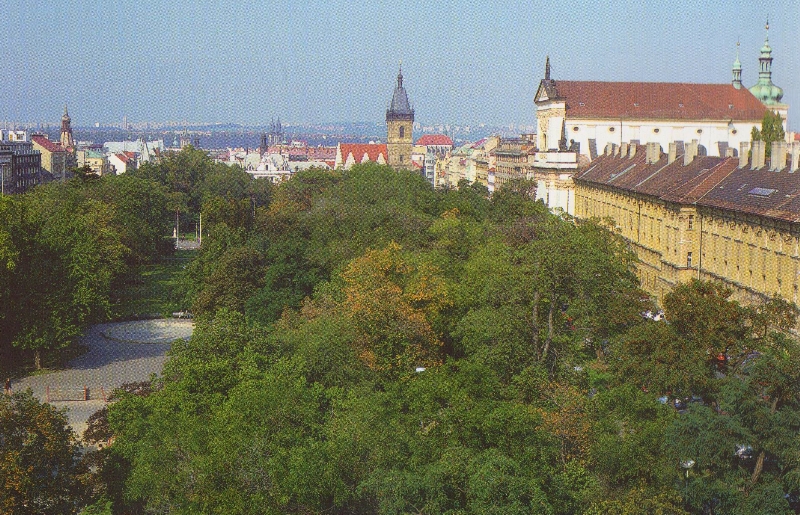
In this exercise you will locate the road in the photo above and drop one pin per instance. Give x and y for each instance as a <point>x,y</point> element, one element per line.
<point>119,353</point>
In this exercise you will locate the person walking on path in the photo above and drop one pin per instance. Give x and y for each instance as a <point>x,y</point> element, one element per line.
<point>8,386</point>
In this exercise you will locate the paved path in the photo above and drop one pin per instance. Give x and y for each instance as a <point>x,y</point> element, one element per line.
<point>122,352</point>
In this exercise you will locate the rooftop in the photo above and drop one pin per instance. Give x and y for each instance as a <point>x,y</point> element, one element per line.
<point>656,100</point>
<point>435,139</point>
<point>46,144</point>
<point>716,182</point>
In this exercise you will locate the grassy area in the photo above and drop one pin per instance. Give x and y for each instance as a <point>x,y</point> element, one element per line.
<point>153,288</point>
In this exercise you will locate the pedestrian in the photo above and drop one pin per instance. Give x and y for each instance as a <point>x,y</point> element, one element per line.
<point>8,386</point>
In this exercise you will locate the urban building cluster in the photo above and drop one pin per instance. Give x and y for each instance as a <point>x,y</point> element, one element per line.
<point>28,158</point>
<point>671,165</point>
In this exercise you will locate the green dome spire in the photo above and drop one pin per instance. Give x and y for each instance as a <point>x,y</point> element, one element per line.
<point>765,90</point>
<point>737,70</point>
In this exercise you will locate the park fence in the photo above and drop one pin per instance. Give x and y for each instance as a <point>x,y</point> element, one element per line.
<point>61,393</point>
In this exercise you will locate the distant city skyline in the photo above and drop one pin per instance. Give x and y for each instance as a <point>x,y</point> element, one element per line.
<point>319,62</point>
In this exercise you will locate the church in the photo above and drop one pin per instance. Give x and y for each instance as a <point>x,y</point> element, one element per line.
<point>578,120</point>
<point>585,116</point>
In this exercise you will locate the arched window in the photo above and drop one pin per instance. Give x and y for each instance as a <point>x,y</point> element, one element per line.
<point>402,132</point>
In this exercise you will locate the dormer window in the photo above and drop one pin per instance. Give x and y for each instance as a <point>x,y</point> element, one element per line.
<point>680,105</point>
<point>581,104</point>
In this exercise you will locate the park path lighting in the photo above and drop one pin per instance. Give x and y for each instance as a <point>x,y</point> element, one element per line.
<point>687,465</point>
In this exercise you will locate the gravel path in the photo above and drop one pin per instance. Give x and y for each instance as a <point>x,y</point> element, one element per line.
<point>121,352</point>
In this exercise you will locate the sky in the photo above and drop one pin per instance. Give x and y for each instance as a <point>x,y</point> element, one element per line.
<point>316,61</point>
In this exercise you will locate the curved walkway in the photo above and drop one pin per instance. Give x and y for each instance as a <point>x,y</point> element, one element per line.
<point>121,352</point>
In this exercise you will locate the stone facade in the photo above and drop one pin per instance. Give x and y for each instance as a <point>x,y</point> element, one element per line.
<point>710,218</point>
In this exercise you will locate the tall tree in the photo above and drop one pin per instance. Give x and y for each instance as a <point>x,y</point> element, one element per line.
<point>40,467</point>
<point>771,130</point>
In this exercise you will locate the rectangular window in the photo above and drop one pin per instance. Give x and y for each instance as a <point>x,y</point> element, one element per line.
<point>688,260</point>
<point>691,222</point>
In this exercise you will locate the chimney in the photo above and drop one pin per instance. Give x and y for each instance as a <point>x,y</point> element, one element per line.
<point>795,156</point>
<point>632,150</point>
<point>609,149</point>
<point>623,150</point>
<point>653,152</point>
<point>778,155</point>
<point>730,152</point>
<point>690,153</point>
<point>744,148</point>
<point>673,152</point>
<point>758,155</point>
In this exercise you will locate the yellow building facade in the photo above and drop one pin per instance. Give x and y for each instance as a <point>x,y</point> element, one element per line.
<point>702,217</point>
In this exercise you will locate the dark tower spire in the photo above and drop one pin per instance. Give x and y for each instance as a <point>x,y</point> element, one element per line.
<point>547,69</point>
<point>399,125</point>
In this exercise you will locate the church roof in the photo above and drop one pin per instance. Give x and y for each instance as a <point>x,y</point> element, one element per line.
<point>435,139</point>
<point>655,100</point>
<point>400,105</point>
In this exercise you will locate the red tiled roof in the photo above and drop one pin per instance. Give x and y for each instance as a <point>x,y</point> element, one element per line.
<point>122,157</point>
<point>716,182</point>
<point>372,150</point>
<point>131,155</point>
<point>48,145</point>
<point>434,139</point>
<point>658,100</point>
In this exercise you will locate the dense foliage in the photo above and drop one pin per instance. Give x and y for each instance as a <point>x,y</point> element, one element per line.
<point>63,246</point>
<point>365,344</point>
<point>370,345</point>
<point>67,250</point>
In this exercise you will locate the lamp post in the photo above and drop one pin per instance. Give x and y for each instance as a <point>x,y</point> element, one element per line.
<point>686,465</point>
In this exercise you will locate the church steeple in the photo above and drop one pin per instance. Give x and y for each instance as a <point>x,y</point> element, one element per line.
<point>765,90</point>
<point>737,70</point>
<point>66,130</point>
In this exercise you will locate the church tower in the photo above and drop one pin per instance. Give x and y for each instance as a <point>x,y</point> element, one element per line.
<point>737,70</point>
<point>399,124</point>
<point>765,90</point>
<point>66,130</point>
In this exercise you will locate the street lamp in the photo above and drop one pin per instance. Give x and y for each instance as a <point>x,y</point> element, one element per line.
<point>686,465</point>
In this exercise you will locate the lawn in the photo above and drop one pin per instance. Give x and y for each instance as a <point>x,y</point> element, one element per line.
<point>153,289</point>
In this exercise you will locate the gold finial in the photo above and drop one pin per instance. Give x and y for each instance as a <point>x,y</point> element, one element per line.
<point>767,26</point>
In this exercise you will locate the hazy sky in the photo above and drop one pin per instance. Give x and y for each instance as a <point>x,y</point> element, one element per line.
<point>336,60</point>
